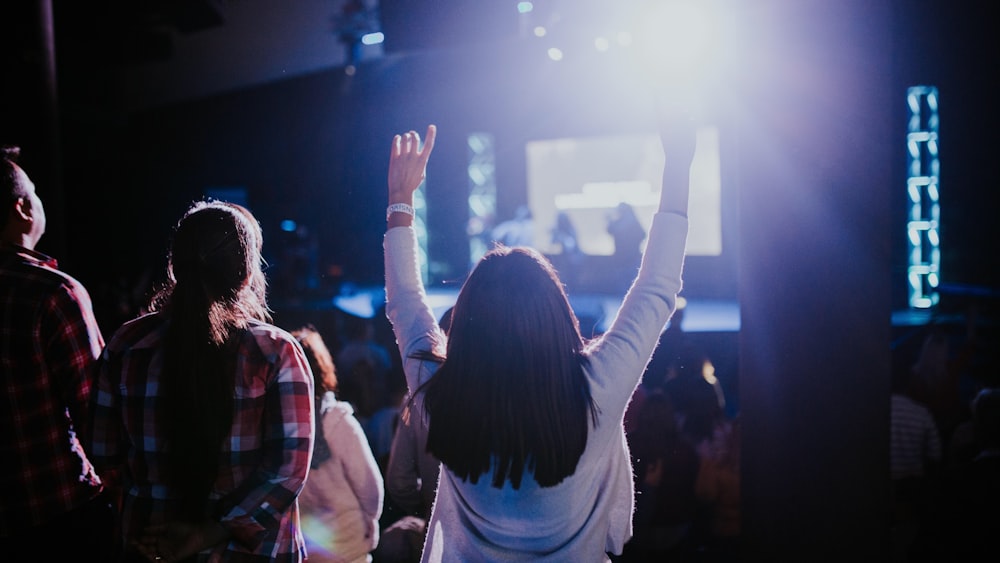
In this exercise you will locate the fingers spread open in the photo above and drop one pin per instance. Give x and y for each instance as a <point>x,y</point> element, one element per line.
<point>397,143</point>
<point>425,153</point>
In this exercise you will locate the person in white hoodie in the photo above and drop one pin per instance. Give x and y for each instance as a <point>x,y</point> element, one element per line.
<point>341,502</point>
<point>523,413</point>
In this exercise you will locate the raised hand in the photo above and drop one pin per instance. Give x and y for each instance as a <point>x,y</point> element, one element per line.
<point>408,164</point>
<point>679,138</point>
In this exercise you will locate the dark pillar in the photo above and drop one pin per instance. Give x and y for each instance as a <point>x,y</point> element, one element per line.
<point>28,114</point>
<point>817,149</point>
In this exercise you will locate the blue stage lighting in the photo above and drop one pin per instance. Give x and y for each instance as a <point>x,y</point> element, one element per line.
<point>923,189</point>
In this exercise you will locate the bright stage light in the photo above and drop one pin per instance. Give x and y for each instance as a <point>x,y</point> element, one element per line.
<point>372,38</point>
<point>555,54</point>
<point>678,48</point>
<point>677,35</point>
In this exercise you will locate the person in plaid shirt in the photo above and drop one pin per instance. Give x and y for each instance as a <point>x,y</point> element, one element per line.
<point>203,412</point>
<point>49,343</point>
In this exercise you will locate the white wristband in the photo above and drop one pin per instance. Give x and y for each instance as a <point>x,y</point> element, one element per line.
<point>398,208</point>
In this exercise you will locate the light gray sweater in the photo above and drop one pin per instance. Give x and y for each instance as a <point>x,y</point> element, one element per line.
<point>341,502</point>
<point>589,514</point>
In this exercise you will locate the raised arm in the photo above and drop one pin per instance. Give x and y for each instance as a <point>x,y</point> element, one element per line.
<point>678,138</point>
<point>412,319</point>
<point>620,355</point>
<point>407,170</point>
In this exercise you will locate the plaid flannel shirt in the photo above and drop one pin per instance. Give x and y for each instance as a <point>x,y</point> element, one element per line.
<point>49,343</point>
<point>263,463</point>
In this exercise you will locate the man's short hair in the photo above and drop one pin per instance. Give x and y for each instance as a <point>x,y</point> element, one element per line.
<point>11,187</point>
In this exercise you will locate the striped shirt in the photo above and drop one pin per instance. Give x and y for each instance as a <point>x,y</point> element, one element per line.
<point>49,344</point>
<point>914,438</point>
<point>263,464</point>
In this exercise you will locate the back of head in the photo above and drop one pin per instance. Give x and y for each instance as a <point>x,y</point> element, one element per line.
<point>11,187</point>
<point>324,379</point>
<point>319,357</point>
<point>358,328</point>
<point>215,263</point>
<point>514,293</point>
<point>215,288</point>
<point>511,392</point>
<point>695,398</point>
<point>656,413</point>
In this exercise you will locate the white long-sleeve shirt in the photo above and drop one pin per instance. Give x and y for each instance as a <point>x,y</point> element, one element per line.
<point>341,501</point>
<point>588,514</point>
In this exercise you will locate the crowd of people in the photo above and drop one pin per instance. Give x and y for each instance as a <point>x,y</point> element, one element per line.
<point>945,442</point>
<point>204,430</point>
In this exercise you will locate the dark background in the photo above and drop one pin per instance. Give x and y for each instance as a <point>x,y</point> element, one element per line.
<point>815,238</point>
<point>312,147</point>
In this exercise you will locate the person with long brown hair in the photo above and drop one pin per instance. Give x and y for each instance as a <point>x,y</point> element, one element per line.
<point>204,410</point>
<point>524,414</point>
<point>341,502</point>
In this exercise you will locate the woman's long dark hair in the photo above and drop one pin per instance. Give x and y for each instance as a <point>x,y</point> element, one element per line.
<point>510,394</point>
<point>215,288</point>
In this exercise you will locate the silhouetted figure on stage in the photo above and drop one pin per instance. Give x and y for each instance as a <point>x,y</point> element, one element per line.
<point>518,231</point>
<point>628,234</point>
<point>570,257</point>
<point>564,235</point>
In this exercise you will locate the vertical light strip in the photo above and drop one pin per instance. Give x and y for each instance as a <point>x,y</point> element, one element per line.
<point>482,194</point>
<point>922,186</point>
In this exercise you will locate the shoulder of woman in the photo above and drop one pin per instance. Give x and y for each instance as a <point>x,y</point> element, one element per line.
<point>336,410</point>
<point>145,331</point>
<point>272,340</point>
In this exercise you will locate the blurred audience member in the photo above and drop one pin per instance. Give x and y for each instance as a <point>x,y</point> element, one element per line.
<point>342,499</point>
<point>411,479</point>
<point>970,514</point>
<point>718,486</point>
<point>363,366</point>
<point>661,364</point>
<point>914,459</point>
<point>695,394</point>
<point>666,467</point>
